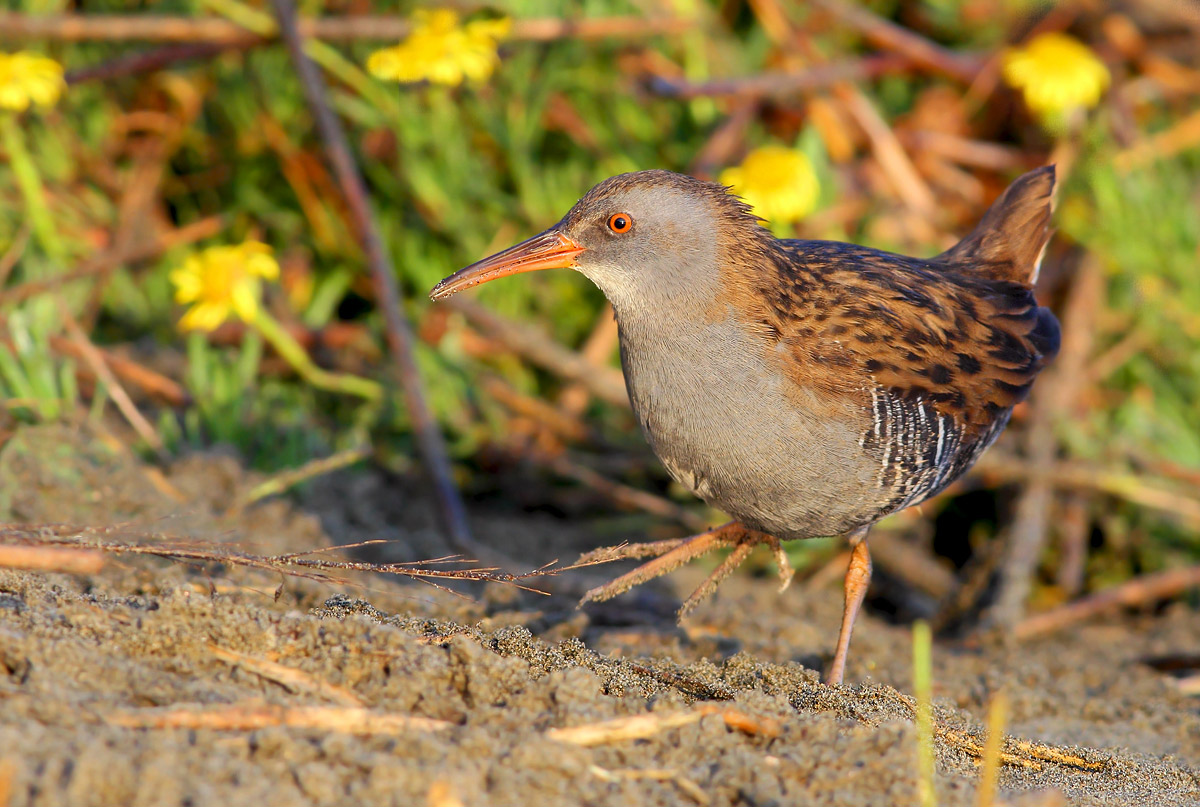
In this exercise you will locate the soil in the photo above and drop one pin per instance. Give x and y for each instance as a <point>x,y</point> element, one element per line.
<point>81,657</point>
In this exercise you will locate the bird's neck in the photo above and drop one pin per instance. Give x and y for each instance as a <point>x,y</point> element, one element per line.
<point>702,281</point>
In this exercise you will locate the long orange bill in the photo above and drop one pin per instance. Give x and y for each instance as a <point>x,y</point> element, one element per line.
<point>549,250</point>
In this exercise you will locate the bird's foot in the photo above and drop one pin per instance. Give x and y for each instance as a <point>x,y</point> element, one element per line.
<point>670,555</point>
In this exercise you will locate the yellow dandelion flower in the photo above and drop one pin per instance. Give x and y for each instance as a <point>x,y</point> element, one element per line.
<point>777,182</point>
<point>1057,74</point>
<point>220,281</point>
<point>441,50</point>
<point>28,79</point>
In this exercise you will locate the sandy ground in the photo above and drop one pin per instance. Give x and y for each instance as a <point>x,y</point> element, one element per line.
<point>732,701</point>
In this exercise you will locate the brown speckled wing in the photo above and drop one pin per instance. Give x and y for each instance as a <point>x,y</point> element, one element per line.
<point>969,346</point>
<point>936,358</point>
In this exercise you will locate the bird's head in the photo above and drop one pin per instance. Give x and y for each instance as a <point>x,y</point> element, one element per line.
<point>640,236</point>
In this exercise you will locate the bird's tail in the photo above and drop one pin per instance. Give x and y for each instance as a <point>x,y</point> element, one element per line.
<point>1009,241</point>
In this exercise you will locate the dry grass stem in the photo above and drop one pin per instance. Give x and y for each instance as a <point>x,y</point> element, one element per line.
<point>1138,489</point>
<point>772,85</point>
<point>51,559</point>
<point>1183,135</point>
<point>640,727</point>
<point>689,787</point>
<point>906,181</point>
<point>598,349</point>
<point>996,720</point>
<point>285,480</point>
<point>890,36</point>
<point>251,716</point>
<point>624,495</point>
<point>348,28</point>
<point>289,678</point>
<point>534,345</point>
<point>119,396</point>
<point>563,425</point>
<point>1139,591</point>
<point>98,539</point>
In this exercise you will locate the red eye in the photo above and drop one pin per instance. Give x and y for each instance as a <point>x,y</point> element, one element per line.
<point>620,222</point>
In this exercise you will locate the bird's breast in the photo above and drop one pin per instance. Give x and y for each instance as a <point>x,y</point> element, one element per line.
<point>729,425</point>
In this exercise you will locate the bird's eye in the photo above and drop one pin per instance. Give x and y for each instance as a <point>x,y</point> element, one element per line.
<point>620,222</point>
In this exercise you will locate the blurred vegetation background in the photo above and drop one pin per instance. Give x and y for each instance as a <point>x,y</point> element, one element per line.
<point>908,115</point>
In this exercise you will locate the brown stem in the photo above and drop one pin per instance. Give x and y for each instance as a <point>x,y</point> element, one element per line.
<point>50,559</point>
<point>349,28</point>
<point>429,438</point>
<point>95,360</point>
<point>1135,488</point>
<point>605,383</point>
<point>1138,591</point>
<point>624,495</point>
<point>157,59</point>
<point>150,382</point>
<point>777,84</point>
<point>892,37</point>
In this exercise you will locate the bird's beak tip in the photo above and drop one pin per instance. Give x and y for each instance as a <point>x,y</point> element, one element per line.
<point>549,250</point>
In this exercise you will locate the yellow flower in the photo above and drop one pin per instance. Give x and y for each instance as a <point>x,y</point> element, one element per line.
<point>1057,74</point>
<point>26,78</point>
<point>779,183</point>
<point>223,280</point>
<point>441,50</point>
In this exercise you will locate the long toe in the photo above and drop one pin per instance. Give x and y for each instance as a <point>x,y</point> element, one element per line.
<point>709,586</point>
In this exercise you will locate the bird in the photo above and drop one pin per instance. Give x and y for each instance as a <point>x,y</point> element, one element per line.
<point>806,388</point>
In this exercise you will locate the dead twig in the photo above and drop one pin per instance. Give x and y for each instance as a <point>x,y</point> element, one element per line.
<point>913,46</point>
<point>1074,535</point>
<point>1138,489</point>
<point>776,85</point>
<point>387,295</point>
<point>1012,751</point>
<point>106,261</point>
<point>689,787</point>
<point>156,59</point>
<point>285,480</point>
<point>50,559</point>
<point>727,140</point>
<point>1183,135</point>
<point>117,392</point>
<point>640,727</point>
<point>534,345</point>
<point>255,715</point>
<point>150,382</point>
<point>1139,591</point>
<point>289,678</point>
<point>624,495</point>
<point>349,28</point>
<point>599,347</point>
<point>906,181</point>
<point>965,151</point>
<point>226,36</point>
<point>564,425</point>
<point>295,565</point>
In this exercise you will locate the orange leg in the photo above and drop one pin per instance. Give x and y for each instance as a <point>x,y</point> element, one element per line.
<point>670,555</point>
<point>858,577</point>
